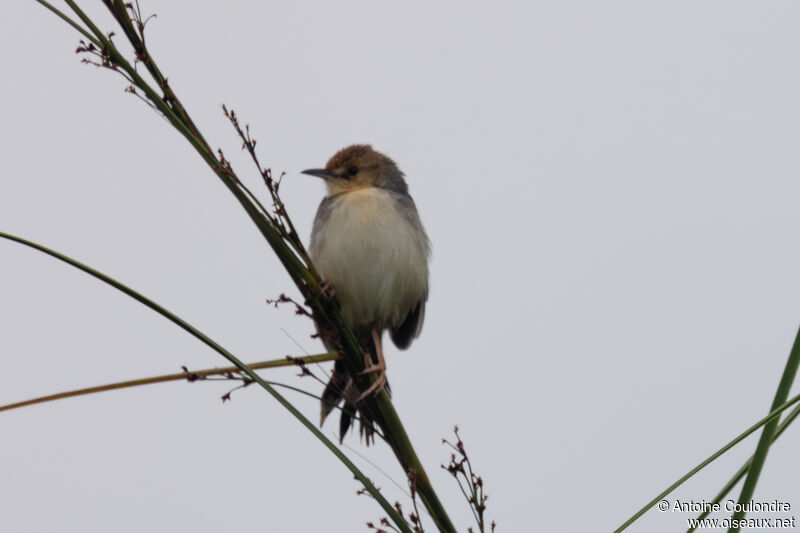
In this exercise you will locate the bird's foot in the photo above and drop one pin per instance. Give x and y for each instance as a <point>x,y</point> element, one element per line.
<point>378,368</point>
<point>380,383</point>
<point>326,290</point>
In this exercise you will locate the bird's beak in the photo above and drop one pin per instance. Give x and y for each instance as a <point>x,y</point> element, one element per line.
<point>321,173</point>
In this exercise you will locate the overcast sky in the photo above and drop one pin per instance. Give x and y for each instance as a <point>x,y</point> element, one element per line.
<point>611,191</point>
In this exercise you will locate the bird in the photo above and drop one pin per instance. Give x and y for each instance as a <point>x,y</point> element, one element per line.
<point>371,250</point>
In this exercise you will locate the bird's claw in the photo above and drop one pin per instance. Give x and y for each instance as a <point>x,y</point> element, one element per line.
<point>379,384</point>
<point>326,290</point>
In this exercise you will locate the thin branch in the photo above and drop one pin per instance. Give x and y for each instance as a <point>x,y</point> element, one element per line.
<point>69,21</point>
<point>301,270</point>
<point>188,375</point>
<point>793,414</point>
<point>230,357</point>
<point>767,434</point>
<point>776,413</point>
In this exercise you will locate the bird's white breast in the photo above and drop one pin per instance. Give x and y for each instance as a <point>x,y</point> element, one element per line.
<point>373,256</point>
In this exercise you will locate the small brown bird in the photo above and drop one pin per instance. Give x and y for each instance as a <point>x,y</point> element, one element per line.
<point>369,246</point>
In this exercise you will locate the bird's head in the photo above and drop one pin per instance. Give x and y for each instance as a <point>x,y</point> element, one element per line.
<point>358,167</point>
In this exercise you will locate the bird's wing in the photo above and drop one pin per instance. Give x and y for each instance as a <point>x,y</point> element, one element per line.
<point>411,326</point>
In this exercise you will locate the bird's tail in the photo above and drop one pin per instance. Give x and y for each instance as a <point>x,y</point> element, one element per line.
<point>342,389</point>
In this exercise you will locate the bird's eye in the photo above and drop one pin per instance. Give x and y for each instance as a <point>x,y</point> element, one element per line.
<point>352,171</point>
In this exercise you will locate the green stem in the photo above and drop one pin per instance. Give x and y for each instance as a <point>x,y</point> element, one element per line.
<point>303,275</point>
<point>69,21</point>
<point>230,357</point>
<point>746,466</point>
<point>768,435</point>
<point>774,414</point>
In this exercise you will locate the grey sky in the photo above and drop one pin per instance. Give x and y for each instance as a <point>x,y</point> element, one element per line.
<point>611,193</point>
